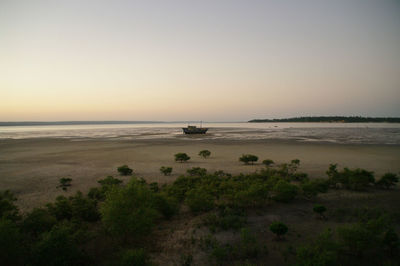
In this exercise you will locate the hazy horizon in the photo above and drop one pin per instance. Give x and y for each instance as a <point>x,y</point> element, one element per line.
<point>206,60</point>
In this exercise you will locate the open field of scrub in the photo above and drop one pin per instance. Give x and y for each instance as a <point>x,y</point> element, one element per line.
<point>31,168</point>
<point>275,216</point>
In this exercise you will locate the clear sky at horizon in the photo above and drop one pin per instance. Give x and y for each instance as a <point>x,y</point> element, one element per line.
<point>225,60</point>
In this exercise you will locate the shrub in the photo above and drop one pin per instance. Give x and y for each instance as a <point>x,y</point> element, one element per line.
<point>278,228</point>
<point>248,158</point>
<point>248,247</point>
<point>167,206</point>
<point>198,200</point>
<point>312,187</point>
<point>320,209</point>
<point>181,157</point>
<point>293,166</point>
<point>166,170</point>
<point>124,170</point>
<point>10,243</point>
<point>8,210</point>
<point>284,191</point>
<point>38,221</point>
<point>359,179</point>
<point>388,180</point>
<point>197,171</point>
<point>268,162</point>
<point>134,257</point>
<point>84,209</point>
<point>205,153</point>
<point>110,180</point>
<point>129,210</point>
<point>61,208</point>
<point>64,183</point>
<point>58,247</point>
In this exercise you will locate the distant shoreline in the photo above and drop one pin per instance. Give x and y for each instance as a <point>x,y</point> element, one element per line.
<point>330,119</point>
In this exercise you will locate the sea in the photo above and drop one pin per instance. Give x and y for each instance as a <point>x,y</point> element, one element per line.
<point>341,133</point>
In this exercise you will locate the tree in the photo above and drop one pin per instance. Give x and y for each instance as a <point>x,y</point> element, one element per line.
<point>248,158</point>
<point>268,163</point>
<point>199,200</point>
<point>279,229</point>
<point>110,181</point>
<point>320,209</point>
<point>205,153</point>
<point>197,171</point>
<point>64,183</point>
<point>388,180</point>
<point>125,170</point>
<point>284,191</point>
<point>166,170</point>
<point>38,221</point>
<point>10,243</point>
<point>181,157</point>
<point>8,209</point>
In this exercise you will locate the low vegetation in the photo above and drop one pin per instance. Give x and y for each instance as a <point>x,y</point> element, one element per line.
<point>181,157</point>
<point>166,170</point>
<point>205,153</point>
<point>124,170</point>
<point>65,183</point>
<point>248,158</point>
<point>226,219</point>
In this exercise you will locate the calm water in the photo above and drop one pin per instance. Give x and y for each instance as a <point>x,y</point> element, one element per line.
<point>366,133</point>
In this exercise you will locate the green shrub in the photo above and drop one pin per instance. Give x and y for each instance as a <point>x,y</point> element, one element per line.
<point>248,247</point>
<point>111,181</point>
<point>166,170</point>
<point>284,191</point>
<point>167,206</point>
<point>388,180</point>
<point>129,210</point>
<point>83,208</point>
<point>10,243</point>
<point>359,179</point>
<point>65,183</point>
<point>199,200</point>
<point>96,193</point>
<point>248,159</point>
<point>181,157</point>
<point>197,171</point>
<point>268,162</point>
<point>124,170</point>
<point>134,257</point>
<point>61,208</point>
<point>205,153</point>
<point>8,210</point>
<point>279,229</point>
<point>293,166</point>
<point>312,187</point>
<point>320,209</point>
<point>38,221</point>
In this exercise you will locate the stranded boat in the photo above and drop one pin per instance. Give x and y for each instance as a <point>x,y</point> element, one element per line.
<point>194,130</point>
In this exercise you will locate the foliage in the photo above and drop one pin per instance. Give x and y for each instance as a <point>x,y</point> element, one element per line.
<point>268,162</point>
<point>129,210</point>
<point>197,171</point>
<point>226,218</point>
<point>181,157</point>
<point>10,243</point>
<point>61,208</point>
<point>166,170</point>
<point>199,200</point>
<point>311,188</point>
<point>278,228</point>
<point>8,209</point>
<point>248,158</point>
<point>387,180</point>
<point>320,209</point>
<point>205,153</point>
<point>110,181</point>
<point>38,221</point>
<point>134,257</point>
<point>124,170</point>
<point>284,191</point>
<point>65,183</point>
<point>357,179</point>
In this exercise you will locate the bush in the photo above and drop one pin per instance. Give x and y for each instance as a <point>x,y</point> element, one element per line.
<point>284,191</point>
<point>268,162</point>
<point>38,221</point>
<point>388,180</point>
<point>312,187</point>
<point>10,243</point>
<point>197,171</point>
<point>359,179</point>
<point>124,170</point>
<point>320,209</point>
<point>198,200</point>
<point>134,257</point>
<point>84,209</point>
<point>8,210</point>
<point>205,153</point>
<point>64,183</point>
<point>129,210</point>
<point>166,170</point>
<point>278,228</point>
<point>61,208</point>
<point>248,159</point>
<point>110,180</point>
<point>181,157</point>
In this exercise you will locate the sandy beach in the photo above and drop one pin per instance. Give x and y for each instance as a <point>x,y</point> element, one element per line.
<point>31,168</point>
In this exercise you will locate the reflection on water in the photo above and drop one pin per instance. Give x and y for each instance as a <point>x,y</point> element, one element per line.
<point>368,133</point>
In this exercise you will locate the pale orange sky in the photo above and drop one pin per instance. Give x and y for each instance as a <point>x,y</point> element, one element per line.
<point>204,60</point>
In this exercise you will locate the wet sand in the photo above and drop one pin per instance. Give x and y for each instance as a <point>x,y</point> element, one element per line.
<point>31,168</point>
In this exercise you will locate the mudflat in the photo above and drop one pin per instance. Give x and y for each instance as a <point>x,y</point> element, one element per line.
<point>31,168</point>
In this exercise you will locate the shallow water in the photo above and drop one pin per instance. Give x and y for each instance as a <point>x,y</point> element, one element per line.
<point>355,133</point>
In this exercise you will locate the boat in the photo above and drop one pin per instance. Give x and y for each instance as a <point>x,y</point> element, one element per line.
<point>194,130</point>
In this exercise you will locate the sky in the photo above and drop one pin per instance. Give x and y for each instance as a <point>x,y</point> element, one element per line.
<point>210,60</point>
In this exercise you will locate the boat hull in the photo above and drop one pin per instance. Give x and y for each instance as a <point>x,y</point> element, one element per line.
<point>195,130</point>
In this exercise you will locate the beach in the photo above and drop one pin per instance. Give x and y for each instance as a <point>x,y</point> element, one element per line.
<point>31,168</point>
